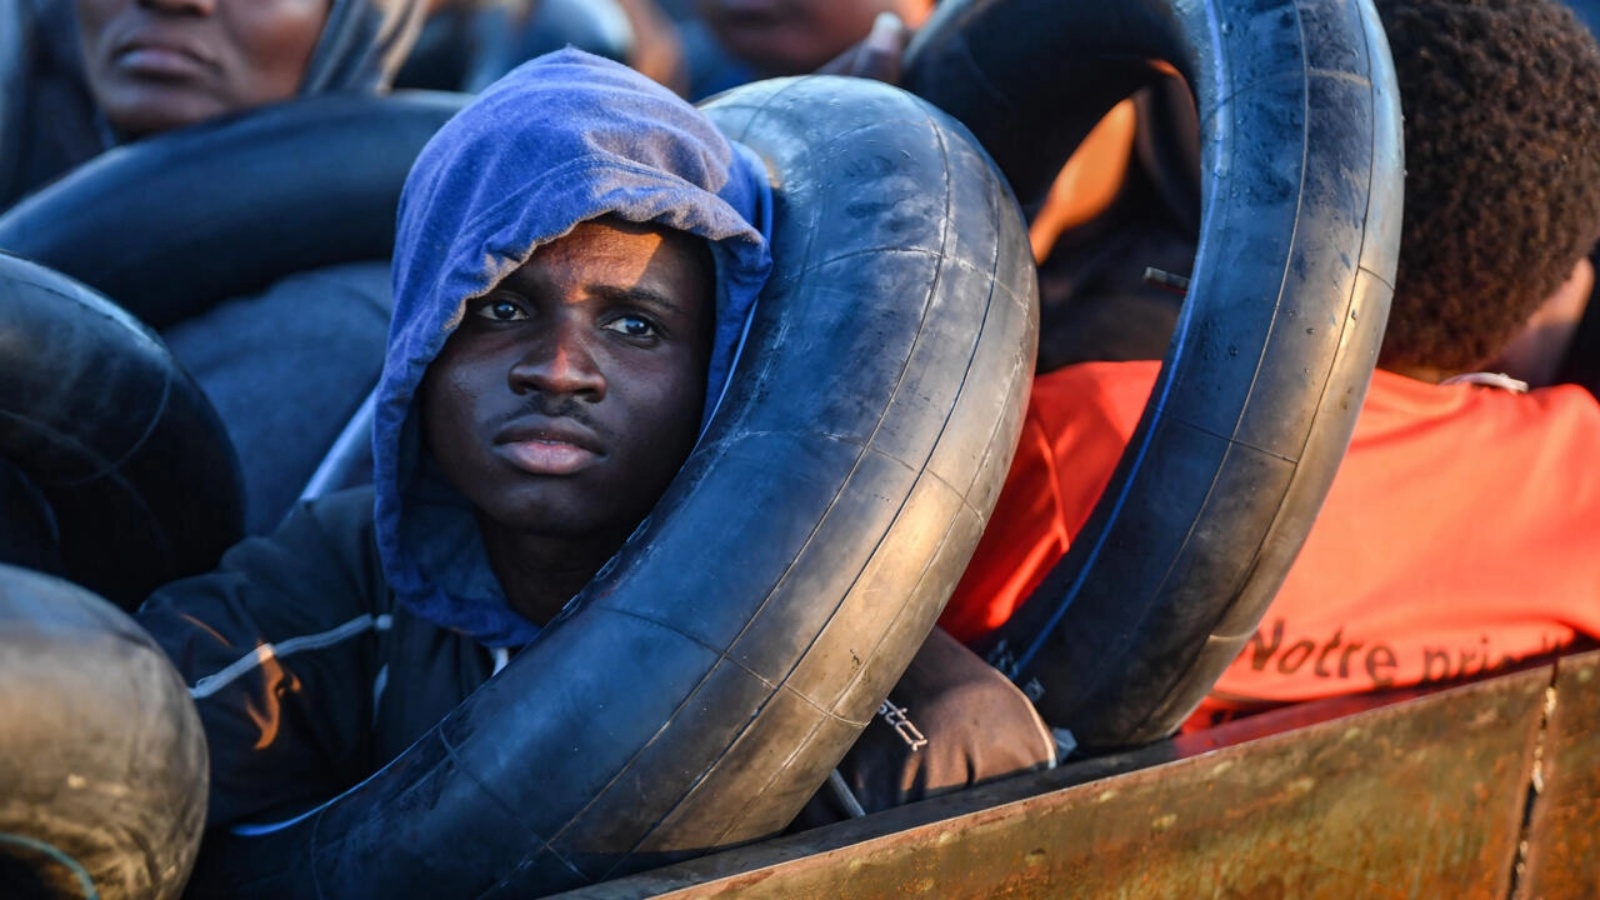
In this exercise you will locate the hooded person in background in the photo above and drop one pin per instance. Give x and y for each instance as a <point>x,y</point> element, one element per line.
<point>108,71</point>
<point>575,263</point>
<point>287,368</point>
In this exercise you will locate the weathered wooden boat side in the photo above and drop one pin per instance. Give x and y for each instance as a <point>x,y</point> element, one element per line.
<point>1490,789</point>
<point>1563,858</point>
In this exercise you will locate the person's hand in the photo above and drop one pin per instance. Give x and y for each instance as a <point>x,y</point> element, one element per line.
<point>879,55</point>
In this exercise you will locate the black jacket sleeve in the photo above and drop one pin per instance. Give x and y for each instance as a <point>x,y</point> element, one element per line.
<point>278,647</point>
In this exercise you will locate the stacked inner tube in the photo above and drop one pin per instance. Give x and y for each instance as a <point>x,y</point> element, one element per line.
<point>699,691</point>
<point>102,757</point>
<point>171,225</point>
<point>114,470</point>
<point>119,474</point>
<point>1259,393</point>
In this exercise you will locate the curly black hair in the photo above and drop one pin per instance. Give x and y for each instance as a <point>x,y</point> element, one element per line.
<point>1502,141</point>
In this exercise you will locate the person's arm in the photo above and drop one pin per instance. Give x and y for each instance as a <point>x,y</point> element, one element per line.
<point>277,648</point>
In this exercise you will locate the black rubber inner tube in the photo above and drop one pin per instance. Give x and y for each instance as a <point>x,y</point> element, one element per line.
<point>102,754</point>
<point>1259,393</point>
<point>171,225</point>
<point>138,480</point>
<point>703,686</point>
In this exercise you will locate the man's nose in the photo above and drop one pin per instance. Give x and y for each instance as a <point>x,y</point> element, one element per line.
<point>561,361</point>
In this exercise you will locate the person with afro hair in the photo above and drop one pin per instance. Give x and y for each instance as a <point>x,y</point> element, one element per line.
<point>1460,533</point>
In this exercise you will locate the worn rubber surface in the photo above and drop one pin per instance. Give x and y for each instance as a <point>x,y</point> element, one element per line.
<point>701,688</point>
<point>175,223</point>
<point>127,452</point>
<point>103,769</point>
<point>1258,395</point>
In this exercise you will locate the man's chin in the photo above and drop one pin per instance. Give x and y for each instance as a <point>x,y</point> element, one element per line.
<point>143,109</point>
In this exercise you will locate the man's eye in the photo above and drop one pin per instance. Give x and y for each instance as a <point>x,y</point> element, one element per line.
<point>633,326</point>
<point>502,311</point>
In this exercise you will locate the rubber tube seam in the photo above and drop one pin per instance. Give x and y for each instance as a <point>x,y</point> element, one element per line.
<point>545,845</point>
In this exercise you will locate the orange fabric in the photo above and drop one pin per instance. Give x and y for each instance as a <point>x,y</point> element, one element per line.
<point>1089,181</point>
<point>1461,534</point>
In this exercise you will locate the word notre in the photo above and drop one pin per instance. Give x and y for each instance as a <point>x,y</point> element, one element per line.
<point>1332,656</point>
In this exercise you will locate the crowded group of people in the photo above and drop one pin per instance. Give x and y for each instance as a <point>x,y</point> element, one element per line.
<point>577,253</point>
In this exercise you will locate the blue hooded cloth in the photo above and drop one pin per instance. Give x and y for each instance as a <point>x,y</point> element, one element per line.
<point>564,139</point>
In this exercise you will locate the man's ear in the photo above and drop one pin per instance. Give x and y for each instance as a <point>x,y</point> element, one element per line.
<point>1536,353</point>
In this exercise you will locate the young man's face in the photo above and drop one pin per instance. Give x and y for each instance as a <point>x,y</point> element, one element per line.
<point>793,37</point>
<point>154,65</point>
<point>570,394</point>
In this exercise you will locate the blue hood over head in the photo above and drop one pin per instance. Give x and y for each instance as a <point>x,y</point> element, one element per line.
<point>564,139</point>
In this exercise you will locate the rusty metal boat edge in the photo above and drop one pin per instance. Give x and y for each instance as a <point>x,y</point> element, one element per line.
<point>1488,789</point>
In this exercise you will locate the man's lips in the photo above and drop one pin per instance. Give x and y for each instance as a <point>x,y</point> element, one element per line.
<point>158,58</point>
<point>557,449</point>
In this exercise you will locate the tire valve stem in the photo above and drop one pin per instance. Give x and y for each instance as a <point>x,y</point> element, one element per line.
<point>1178,284</point>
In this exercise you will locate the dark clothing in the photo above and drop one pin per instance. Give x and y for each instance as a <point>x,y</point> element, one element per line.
<point>286,369</point>
<point>1095,305</point>
<point>56,128</point>
<point>309,677</point>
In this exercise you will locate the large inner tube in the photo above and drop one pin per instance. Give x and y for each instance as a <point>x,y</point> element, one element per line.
<point>139,481</point>
<point>102,757</point>
<point>1259,393</point>
<point>699,691</point>
<point>175,223</point>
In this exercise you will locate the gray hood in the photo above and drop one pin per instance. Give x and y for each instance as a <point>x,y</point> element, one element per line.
<point>363,45</point>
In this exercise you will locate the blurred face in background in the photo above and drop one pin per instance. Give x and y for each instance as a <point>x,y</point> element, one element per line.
<point>154,65</point>
<point>793,37</point>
